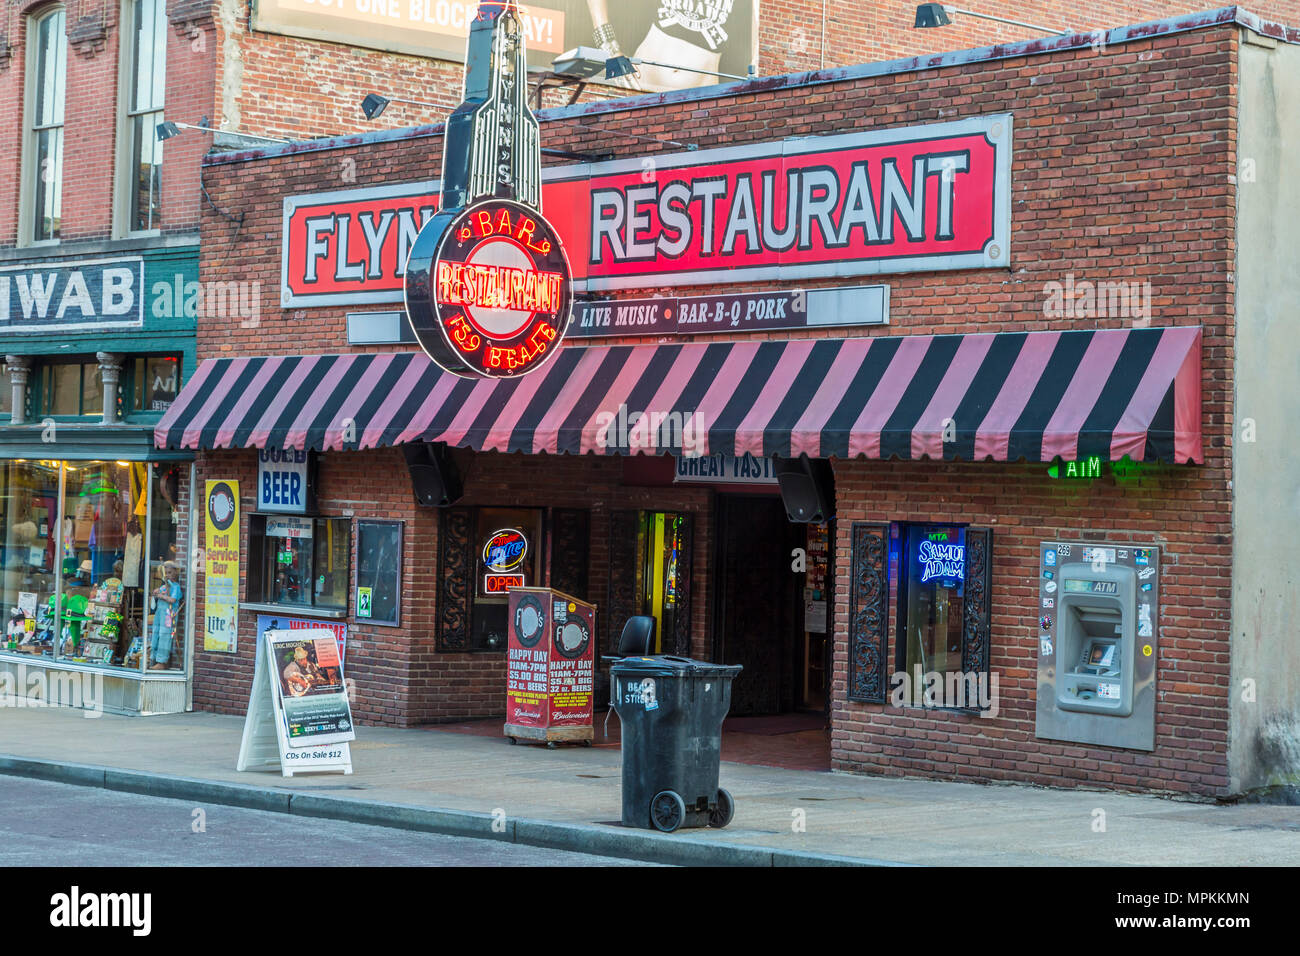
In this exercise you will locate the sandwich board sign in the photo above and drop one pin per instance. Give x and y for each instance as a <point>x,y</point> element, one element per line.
<point>298,717</point>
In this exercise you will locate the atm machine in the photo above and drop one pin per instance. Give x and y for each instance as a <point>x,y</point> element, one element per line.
<point>1097,644</point>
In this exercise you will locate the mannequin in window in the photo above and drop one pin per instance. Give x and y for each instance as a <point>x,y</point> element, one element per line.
<point>168,598</point>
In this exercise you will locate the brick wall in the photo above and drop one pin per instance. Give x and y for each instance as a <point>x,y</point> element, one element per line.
<point>1185,512</point>
<point>90,153</point>
<point>1121,172</point>
<point>295,87</point>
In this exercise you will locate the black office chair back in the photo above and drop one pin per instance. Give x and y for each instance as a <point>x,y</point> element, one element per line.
<point>638,637</point>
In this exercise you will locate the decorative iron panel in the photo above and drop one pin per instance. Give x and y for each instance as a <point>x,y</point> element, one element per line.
<point>868,612</point>
<point>623,591</point>
<point>570,550</point>
<point>977,604</point>
<point>455,578</point>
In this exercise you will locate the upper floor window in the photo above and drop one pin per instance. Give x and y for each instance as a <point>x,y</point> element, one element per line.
<point>47,58</point>
<point>69,388</point>
<point>144,71</point>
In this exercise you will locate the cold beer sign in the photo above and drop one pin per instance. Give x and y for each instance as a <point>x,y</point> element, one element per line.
<point>284,480</point>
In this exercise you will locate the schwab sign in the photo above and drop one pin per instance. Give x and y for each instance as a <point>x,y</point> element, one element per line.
<point>869,202</point>
<point>63,296</point>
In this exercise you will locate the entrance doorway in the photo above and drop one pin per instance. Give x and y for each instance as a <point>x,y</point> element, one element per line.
<point>771,611</point>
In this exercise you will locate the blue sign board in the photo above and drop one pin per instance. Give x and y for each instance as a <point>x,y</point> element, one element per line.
<point>77,294</point>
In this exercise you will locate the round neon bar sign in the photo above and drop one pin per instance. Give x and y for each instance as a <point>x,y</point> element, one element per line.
<point>489,290</point>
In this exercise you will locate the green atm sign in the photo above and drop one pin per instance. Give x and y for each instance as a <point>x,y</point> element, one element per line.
<point>1094,466</point>
<point>1089,467</point>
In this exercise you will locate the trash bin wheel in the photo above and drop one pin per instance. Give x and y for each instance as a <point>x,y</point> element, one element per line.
<point>721,814</point>
<point>667,811</point>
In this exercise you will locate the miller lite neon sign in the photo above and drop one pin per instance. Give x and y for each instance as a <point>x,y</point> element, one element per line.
<point>488,288</point>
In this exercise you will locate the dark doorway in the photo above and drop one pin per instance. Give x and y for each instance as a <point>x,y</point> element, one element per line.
<point>758,619</point>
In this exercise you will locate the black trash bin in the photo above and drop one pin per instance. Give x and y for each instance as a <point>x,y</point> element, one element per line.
<point>671,709</point>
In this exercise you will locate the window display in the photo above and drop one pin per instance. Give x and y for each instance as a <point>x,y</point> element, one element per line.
<point>75,556</point>
<point>299,561</point>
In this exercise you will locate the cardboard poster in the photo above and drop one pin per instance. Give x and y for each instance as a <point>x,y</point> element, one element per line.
<point>221,566</point>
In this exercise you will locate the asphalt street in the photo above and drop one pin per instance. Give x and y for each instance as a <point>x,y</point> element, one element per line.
<point>48,823</point>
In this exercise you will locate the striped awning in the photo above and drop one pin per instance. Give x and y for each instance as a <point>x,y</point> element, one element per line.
<point>1002,396</point>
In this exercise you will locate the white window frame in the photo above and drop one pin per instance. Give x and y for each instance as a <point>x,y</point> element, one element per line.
<point>27,211</point>
<point>123,174</point>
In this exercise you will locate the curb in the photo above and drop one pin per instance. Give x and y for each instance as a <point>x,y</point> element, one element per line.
<point>644,845</point>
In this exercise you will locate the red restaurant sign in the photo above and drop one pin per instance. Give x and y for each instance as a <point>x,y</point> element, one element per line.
<point>863,203</point>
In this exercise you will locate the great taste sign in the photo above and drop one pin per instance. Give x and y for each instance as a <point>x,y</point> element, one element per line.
<point>870,202</point>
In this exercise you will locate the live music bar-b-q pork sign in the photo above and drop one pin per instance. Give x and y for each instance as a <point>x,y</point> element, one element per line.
<point>487,283</point>
<point>868,202</point>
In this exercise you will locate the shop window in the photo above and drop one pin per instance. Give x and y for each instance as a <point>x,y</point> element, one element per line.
<point>94,574</point>
<point>144,71</point>
<point>379,572</point>
<point>69,389</point>
<point>507,544</point>
<point>166,570</point>
<point>152,383</point>
<point>47,58</point>
<point>299,562</point>
<point>29,514</point>
<point>942,574</point>
<point>6,391</point>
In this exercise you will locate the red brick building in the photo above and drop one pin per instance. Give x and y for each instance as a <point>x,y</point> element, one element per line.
<point>99,231</point>
<point>1097,266</point>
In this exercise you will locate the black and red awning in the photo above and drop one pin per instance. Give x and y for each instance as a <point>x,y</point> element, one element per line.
<point>1002,396</point>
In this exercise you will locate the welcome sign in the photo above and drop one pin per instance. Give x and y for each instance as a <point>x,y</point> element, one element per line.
<point>869,202</point>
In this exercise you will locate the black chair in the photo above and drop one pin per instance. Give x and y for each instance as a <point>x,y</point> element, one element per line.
<point>637,639</point>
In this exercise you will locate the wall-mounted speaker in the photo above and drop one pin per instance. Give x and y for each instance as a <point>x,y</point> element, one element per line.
<point>434,474</point>
<point>807,488</point>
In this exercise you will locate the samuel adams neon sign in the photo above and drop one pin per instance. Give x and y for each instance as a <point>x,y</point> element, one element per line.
<point>941,561</point>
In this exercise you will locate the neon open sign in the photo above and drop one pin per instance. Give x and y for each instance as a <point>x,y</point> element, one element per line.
<point>941,561</point>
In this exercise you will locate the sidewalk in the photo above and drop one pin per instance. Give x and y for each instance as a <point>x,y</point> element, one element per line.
<point>568,798</point>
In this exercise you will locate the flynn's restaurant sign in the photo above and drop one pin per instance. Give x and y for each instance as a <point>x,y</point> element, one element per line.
<point>487,285</point>
<point>870,202</point>
<point>78,294</point>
